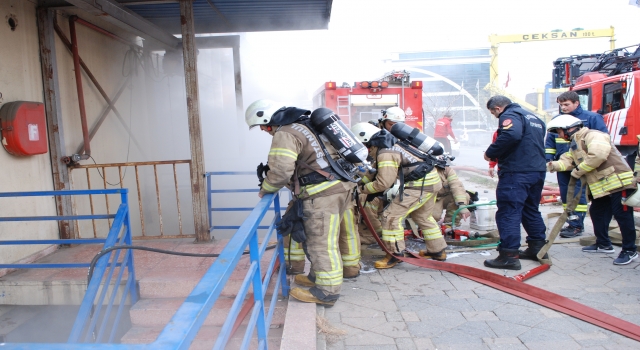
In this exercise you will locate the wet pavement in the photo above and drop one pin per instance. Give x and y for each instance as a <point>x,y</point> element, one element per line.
<point>408,307</point>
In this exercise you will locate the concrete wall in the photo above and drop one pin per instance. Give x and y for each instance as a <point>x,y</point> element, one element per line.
<point>21,80</point>
<point>152,126</point>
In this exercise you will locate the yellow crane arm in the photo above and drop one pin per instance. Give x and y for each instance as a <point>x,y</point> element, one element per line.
<point>496,40</point>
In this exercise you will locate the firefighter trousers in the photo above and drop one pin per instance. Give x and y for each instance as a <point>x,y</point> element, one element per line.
<point>293,256</point>
<point>323,219</point>
<point>373,210</point>
<point>420,208</point>
<point>349,243</point>
<point>449,204</point>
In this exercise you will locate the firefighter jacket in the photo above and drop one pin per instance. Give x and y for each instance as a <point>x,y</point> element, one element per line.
<point>451,185</point>
<point>519,146</point>
<point>292,143</point>
<point>389,161</point>
<point>555,146</point>
<point>443,128</point>
<point>592,154</point>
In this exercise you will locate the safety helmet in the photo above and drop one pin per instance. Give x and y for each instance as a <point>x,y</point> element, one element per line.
<point>260,112</point>
<point>633,200</point>
<point>564,122</point>
<point>394,114</point>
<point>364,131</point>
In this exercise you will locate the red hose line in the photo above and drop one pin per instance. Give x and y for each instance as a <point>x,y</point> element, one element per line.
<point>523,290</point>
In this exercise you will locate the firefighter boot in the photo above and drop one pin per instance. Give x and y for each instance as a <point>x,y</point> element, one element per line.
<point>295,267</point>
<point>304,281</point>
<point>507,259</point>
<point>351,271</point>
<point>387,262</point>
<point>440,256</point>
<point>533,247</point>
<point>307,296</point>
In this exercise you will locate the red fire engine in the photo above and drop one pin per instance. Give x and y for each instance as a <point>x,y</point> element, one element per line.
<point>366,100</point>
<point>606,84</point>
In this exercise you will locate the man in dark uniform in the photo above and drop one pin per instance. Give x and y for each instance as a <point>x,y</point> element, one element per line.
<point>519,149</point>
<point>556,146</point>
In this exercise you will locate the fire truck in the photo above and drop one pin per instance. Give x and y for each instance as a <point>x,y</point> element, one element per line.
<point>366,100</point>
<point>606,84</point>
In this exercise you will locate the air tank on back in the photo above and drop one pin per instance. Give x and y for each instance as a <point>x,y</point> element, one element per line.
<point>417,139</point>
<point>327,123</point>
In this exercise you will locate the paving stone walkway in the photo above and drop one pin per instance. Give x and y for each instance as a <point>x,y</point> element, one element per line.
<point>408,307</point>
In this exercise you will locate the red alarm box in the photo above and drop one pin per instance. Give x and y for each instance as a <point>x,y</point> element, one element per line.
<point>24,129</point>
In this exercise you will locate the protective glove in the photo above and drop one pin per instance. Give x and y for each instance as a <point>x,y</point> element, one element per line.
<point>262,170</point>
<point>392,191</point>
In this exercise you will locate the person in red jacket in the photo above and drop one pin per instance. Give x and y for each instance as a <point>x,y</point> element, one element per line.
<point>443,129</point>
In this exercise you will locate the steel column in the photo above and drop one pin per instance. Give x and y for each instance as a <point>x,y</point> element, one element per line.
<point>198,187</point>
<point>60,175</point>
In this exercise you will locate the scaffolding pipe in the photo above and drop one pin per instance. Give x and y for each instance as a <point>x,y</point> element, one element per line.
<point>78,74</point>
<point>107,33</point>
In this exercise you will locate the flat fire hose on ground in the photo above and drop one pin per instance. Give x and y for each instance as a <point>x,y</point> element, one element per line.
<point>534,294</point>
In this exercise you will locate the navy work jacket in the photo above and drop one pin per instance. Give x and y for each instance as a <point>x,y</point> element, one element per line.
<point>554,146</point>
<point>519,146</point>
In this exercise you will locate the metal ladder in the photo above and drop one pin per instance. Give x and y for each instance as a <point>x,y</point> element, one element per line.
<point>343,107</point>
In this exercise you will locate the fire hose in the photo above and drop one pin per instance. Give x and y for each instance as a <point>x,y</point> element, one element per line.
<point>515,287</point>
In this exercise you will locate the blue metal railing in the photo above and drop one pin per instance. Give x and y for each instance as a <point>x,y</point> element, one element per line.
<point>91,324</point>
<point>186,322</point>
<point>211,191</point>
<point>181,330</point>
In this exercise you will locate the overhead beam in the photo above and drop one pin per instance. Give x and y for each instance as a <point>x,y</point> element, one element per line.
<point>122,17</point>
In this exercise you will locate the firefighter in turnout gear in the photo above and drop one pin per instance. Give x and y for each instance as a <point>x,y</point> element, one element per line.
<point>556,146</point>
<point>297,159</point>
<point>593,156</point>
<point>451,196</point>
<point>416,199</point>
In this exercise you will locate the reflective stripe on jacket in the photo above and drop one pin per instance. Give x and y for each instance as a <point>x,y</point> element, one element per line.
<point>597,158</point>
<point>290,144</point>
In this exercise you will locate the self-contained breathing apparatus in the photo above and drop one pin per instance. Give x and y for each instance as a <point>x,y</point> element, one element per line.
<point>420,146</point>
<point>326,127</point>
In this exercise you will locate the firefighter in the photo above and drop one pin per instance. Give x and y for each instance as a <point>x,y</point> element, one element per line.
<point>556,146</point>
<point>416,199</point>
<point>519,150</point>
<point>451,196</point>
<point>372,206</point>
<point>593,155</point>
<point>294,156</point>
<point>443,130</point>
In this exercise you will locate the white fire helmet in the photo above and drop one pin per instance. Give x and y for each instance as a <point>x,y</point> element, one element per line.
<point>260,112</point>
<point>394,114</point>
<point>563,121</point>
<point>364,131</point>
<point>633,200</point>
